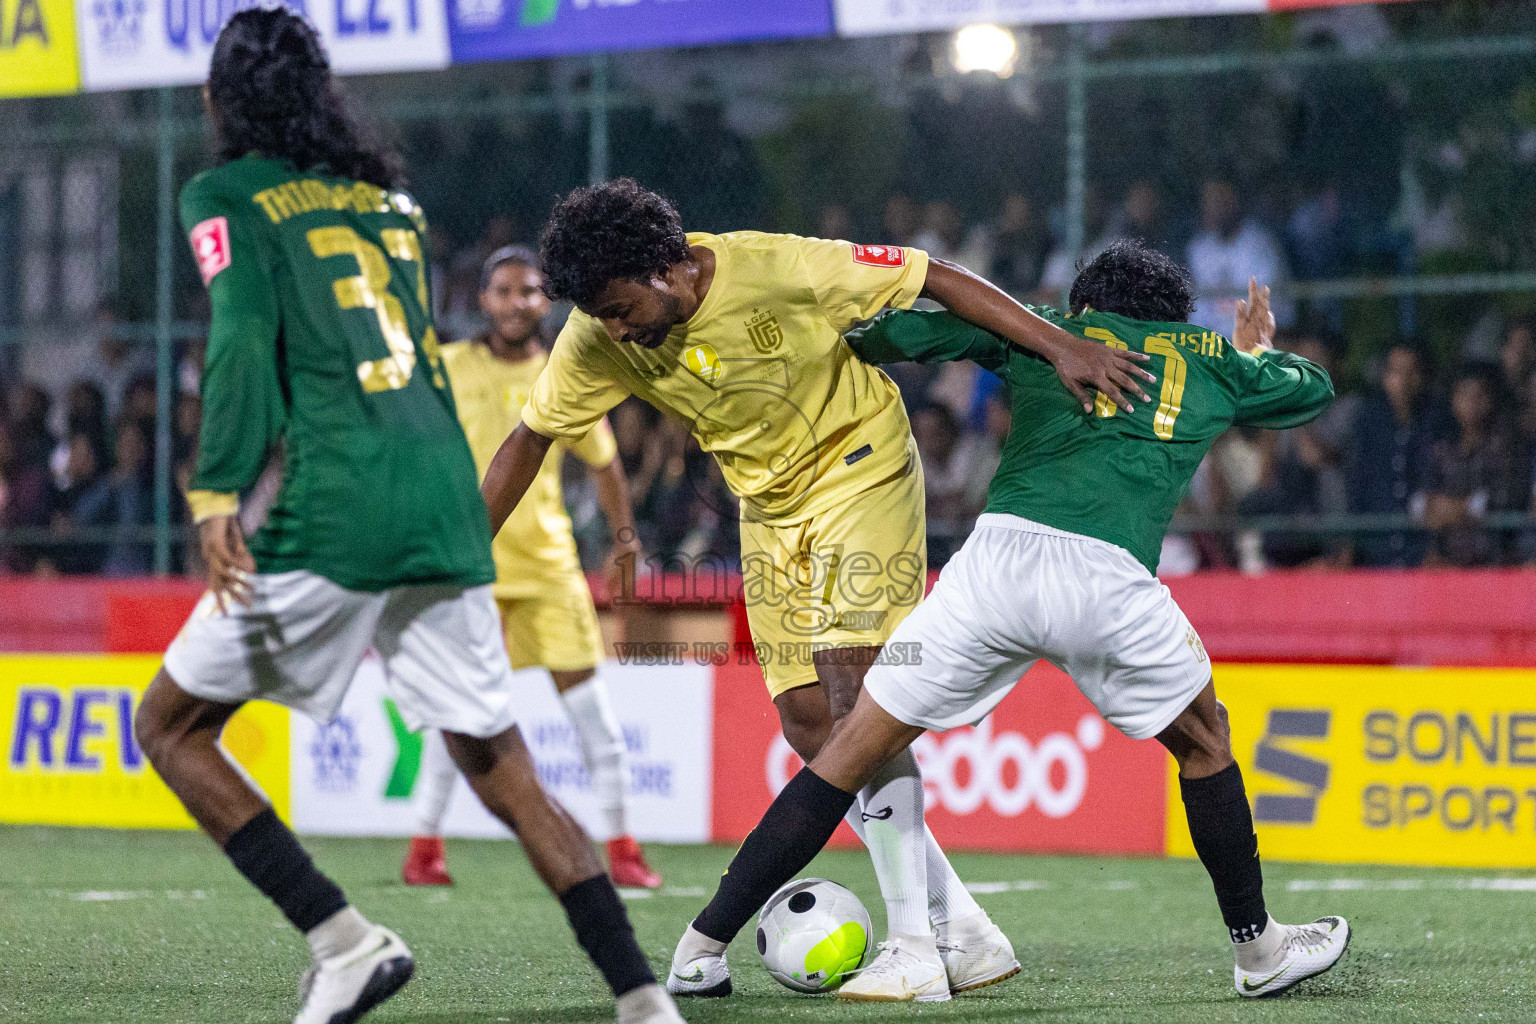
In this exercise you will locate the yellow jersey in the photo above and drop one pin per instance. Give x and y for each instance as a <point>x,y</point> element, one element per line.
<point>760,373</point>
<point>535,551</point>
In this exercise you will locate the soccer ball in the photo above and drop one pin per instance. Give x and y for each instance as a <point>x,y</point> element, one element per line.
<point>811,933</point>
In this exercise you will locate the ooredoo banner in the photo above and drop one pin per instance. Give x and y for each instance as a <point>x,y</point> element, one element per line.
<point>357,774</point>
<point>169,42</point>
<point>879,17</point>
<point>1043,773</point>
<point>1383,766</point>
<point>510,29</point>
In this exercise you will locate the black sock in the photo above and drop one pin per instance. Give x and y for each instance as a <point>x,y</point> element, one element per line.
<point>268,854</point>
<point>791,834</point>
<point>1221,825</point>
<point>602,928</point>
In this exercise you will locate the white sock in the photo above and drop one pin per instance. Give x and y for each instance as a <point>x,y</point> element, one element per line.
<point>337,933</point>
<point>695,944</point>
<point>434,784</point>
<point>1262,953</point>
<point>948,898</point>
<point>893,830</point>
<point>602,747</point>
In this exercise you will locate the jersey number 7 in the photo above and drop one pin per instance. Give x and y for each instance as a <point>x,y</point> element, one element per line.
<point>1170,401</point>
<point>370,290</point>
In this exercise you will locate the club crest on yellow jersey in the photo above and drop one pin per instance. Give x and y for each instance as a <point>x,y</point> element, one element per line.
<point>704,363</point>
<point>764,331</point>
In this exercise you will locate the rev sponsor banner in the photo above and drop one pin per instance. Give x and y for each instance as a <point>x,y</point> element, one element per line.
<point>1373,765</point>
<point>37,48</point>
<point>511,29</point>
<point>131,44</point>
<point>1042,773</point>
<point>71,758</point>
<point>357,774</point>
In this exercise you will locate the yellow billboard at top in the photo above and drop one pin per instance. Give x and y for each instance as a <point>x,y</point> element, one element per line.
<point>37,48</point>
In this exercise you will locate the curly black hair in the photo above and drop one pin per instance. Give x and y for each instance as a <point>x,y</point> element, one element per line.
<point>1136,281</point>
<point>615,231</point>
<point>272,93</point>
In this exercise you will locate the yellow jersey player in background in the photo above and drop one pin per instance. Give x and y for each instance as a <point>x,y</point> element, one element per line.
<point>546,609</point>
<point>740,336</point>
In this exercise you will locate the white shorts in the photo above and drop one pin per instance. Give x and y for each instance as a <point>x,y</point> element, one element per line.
<point>302,637</point>
<point>1018,591</point>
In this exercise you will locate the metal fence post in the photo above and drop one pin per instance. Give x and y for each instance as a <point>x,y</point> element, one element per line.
<point>597,122</point>
<point>1077,146</point>
<point>164,239</point>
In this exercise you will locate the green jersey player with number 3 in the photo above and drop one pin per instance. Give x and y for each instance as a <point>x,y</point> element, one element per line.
<point>322,338</point>
<point>1060,567</point>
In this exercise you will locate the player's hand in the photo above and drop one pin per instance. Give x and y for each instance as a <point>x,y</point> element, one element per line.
<point>1085,366</point>
<point>623,565</point>
<point>1255,330</point>
<point>229,563</point>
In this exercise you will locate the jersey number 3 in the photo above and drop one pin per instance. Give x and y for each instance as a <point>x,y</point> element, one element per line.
<point>1170,401</point>
<point>370,290</point>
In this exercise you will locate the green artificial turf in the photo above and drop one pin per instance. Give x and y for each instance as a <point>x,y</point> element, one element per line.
<point>139,926</point>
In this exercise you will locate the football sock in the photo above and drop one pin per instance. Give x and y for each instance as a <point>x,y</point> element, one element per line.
<point>793,830</point>
<point>267,853</point>
<point>602,929</point>
<point>1221,825</point>
<point>602,747</point>
<point>948,898</point>
<point>892,812</point>
<point>435,782</point>
<point>338,933</point>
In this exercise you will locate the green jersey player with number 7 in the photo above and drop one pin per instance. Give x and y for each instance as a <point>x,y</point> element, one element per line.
<point>322,338</point>
<point>1060,567</point>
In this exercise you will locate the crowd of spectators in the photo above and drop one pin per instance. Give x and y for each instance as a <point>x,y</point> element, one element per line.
<point>1434,452</point>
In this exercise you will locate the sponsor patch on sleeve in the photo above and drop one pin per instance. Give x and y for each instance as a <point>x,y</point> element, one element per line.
<point>210,247</point>
<point>880,255</point>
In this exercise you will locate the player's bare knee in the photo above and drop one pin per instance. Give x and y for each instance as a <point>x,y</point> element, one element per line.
<point>805,720</point>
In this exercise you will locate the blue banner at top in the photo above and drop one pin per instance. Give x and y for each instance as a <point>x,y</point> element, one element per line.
<point>512,29</point>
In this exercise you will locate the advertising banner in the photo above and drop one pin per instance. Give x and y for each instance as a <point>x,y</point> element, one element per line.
<point>71,759</point>
<point>358,774</point>
<point>1043,773</point>
<point>169,42</point>
<point>37,48</point>
<point>879,17</point>
<point>511,29</point>
<point>1383,766</point>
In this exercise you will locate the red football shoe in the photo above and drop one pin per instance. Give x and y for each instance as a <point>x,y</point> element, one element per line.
<point>426,863</point>
<point>627,866</point>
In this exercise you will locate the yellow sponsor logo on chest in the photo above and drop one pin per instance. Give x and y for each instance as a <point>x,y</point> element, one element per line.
<point>704,363</point>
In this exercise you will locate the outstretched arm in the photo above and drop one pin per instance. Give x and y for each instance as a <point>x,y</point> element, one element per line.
<point>1081,364</point>
<point>511,473</point>
<point>625,555</point>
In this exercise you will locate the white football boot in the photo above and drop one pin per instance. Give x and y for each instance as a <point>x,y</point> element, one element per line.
<point>975,952</point>
<point>1303,951</point>
<point>341,988</point>
<point>648,1004</point>
<point>908,969</point>
<point>699,967</point>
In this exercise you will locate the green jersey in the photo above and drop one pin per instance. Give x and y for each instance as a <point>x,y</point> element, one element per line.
<point>1110,475</point>
<point>322,337</point>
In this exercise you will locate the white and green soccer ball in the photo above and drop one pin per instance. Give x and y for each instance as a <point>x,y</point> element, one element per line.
<point>811,933</point>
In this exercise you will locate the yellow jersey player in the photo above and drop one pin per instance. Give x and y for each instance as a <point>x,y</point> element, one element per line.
<point>741,337</point>
<point>546,609</point>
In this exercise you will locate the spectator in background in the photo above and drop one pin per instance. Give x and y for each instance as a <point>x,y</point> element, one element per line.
<point>1141,217</point>
<point>1020,246</point>
<point>1230,249</point>
<point>1386,469</point>
<point>27,495</point>
<point>1061,266</point>
<point>1470,474</point>
<point>945,237</point>
<point>85,413</point>
<point>946,476</point>
<point>717,168</point>
<point>834,221</point>
<point>1517,364</point>
<point>1303,470</point>
<point>133,503</point>
<point>84,507</point>
<point>900,220</point>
